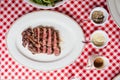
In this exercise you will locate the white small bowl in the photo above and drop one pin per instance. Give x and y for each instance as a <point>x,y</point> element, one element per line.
<point>104,34</point>
<point>91,59</point>
<point>106,62</point>
<point>105,13</point>
<point>45,7</point>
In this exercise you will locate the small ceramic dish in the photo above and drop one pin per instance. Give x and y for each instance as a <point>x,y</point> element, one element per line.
<point>104,34</point>
<point>105,62</point>
<point>91,65</point>
<point>105,14</point>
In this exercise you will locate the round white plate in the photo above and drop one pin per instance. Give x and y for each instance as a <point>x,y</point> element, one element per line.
<point>71,36</point>
<point>114,6</point>
<point>117,77</point>
<point>46,7</point>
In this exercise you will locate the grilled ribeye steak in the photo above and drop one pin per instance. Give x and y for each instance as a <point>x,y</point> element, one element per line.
<point>42,40</point>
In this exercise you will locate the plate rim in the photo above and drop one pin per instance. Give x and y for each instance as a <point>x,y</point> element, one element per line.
<point>22,55</point>
<point>113,11</point>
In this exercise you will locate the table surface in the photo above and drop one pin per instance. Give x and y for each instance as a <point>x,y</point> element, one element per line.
<point>10,10</point>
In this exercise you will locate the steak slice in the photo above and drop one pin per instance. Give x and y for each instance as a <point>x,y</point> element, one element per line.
<point>56,46</point>
<point>25,34</point>
<point>44,39</point>
<point>49,47</point>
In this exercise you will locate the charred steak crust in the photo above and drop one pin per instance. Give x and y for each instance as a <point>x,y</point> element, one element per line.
<point>42,39</point>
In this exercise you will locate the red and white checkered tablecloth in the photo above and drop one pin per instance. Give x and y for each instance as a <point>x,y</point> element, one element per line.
<point>10,10</point>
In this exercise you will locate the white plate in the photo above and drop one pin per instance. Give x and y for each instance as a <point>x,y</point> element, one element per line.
<point>114,6</point>
<point>117,77</point>
<point>46,7</point>
<point>70,33</point>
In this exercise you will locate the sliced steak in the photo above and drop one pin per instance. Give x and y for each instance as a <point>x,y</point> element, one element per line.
<point>42,40</point>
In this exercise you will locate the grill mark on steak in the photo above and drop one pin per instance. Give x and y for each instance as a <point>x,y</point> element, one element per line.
<point>41,39</point>
<point>46,39</point>
<point>52,40</point>
<point>38,37</point>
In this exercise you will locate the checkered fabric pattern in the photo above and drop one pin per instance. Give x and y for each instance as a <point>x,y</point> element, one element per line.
<point>79,10</point>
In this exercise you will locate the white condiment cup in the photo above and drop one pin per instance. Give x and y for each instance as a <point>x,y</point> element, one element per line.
<point>105,36</point>
<point>105,62</point>
<point>90,64</point>
<point>105,13</point>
